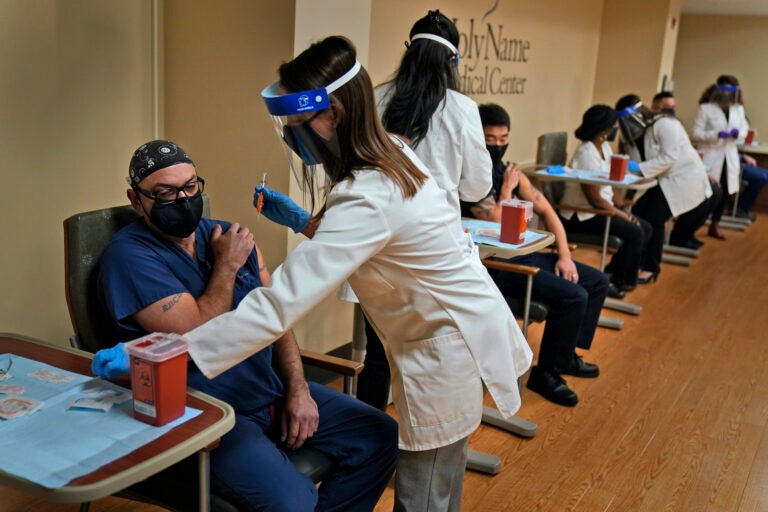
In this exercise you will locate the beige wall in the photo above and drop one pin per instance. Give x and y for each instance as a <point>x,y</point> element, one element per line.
<point>559,73</point>
<point>636,44</point>
<point>77,86</point>
<point>710,46</point>
<point>75,95</point>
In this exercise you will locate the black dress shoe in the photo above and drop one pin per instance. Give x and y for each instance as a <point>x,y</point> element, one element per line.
<point>688,244</point>
<point>551,386</point>
<point>695,241</point>
<point>579,368</point>
<point>615,292</point>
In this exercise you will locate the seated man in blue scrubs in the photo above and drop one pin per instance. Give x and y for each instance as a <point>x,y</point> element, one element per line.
<point>573,292</point>
<point>171,271</point>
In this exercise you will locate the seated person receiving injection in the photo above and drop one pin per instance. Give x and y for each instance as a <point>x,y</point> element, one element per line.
<point>598,128</point>
<point>574,292</point>
<point>171,271</point>
<point>386,228</point>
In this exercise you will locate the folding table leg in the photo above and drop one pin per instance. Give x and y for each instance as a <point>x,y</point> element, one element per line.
<point>204,476</point>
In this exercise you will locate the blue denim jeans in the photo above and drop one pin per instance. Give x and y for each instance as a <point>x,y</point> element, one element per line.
<point>756,178</point>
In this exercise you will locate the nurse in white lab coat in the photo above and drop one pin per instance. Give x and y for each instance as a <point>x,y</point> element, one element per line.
<point>422,104</point>
<point>719,126</point>
<point>387,229</point>
<point>670,158</point>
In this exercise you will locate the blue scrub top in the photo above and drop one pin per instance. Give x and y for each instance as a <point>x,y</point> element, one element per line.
<point>138,268</point>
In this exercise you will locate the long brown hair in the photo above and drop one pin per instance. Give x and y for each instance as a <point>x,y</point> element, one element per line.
<point>362,139</point>
<point>713,95</point>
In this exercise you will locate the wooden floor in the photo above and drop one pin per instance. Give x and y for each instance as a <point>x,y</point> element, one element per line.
<point>676,421</point>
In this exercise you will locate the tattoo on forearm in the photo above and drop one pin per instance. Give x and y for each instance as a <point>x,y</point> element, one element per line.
<point>262,268</point>
<point>174,300</point>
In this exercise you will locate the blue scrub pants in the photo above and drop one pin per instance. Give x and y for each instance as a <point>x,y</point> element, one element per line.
<point>252,471</point>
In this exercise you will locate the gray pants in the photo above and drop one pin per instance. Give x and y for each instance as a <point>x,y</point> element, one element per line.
<point>431,480</point>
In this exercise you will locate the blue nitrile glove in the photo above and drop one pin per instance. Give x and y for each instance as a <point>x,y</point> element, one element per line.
<point>281,209</point>
<point>111,362</point>
<point>735,133</point>
<point>555,169</point>
<point>633,166</point>
<point>724,134</point>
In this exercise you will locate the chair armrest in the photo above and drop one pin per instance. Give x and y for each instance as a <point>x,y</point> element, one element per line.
<point>510,267</point>
<point>334,364</point>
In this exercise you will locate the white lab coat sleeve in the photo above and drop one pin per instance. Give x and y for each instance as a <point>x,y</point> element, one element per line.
<point>742,124</point>
<point>351,231</point>
<point>703,130</point>
<point>475,181</point>
<point>668,133</point>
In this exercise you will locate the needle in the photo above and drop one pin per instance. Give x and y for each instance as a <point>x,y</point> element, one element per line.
<point>260,200</point>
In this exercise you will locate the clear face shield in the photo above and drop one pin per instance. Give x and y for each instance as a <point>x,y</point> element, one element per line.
<point>292,115</point>
<point>726,95</point>
<point>632,123</point>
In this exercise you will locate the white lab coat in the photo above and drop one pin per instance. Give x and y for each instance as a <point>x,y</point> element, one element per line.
<point>587,157</point>
<point>710,120</point>
<point>445,326</point>
<point>672,160</point>
<point>454,148</point>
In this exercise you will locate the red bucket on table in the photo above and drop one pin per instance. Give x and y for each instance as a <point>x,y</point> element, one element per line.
<point>515,214</point>
<point>618,167</point>
<point>158,377</point>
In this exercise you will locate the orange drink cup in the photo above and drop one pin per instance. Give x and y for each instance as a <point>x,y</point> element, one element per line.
<point>158,377</point>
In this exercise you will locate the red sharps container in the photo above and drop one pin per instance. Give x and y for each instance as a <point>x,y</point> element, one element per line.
<point>515,214</point>
<point>158,377</point>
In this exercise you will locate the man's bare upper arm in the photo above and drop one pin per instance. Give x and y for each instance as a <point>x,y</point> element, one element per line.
<point>176,313</point>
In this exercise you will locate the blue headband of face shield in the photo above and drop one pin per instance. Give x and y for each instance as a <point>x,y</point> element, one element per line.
<point>301,138</point>
<point>629,110</point>
<point>728,88</point>
<point>441,40</point>
<point>305,101</point>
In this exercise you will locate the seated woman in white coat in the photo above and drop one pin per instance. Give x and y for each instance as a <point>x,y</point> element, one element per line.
<point>598,128</point>
<point>386,228</point>
<point>668,156</point>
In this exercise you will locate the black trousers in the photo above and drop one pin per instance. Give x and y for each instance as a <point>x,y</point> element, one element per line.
<point>688,223</point>
<point>654,208</point>
<point>626,261</point>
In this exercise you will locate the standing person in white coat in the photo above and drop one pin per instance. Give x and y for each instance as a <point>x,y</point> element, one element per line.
<point>719,126</point>
<point>386,228</point>
<point>668,156</point>
<point>442,126</point>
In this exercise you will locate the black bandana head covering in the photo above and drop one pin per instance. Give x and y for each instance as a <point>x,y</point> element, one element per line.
<point>153,156</point>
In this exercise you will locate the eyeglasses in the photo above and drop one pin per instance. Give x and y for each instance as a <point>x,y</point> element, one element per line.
<point>166,194</point>
<point>3,373</point>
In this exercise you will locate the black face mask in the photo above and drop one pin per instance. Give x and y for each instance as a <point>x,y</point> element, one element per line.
<point>669,111</point>
<point>178,218</point>
<point>612,136</point>
<point>497,152</point>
